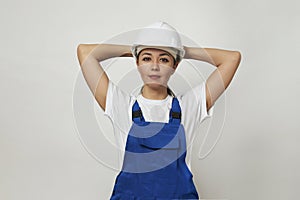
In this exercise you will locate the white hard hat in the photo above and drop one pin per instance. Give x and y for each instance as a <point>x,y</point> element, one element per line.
<point>159,35</point>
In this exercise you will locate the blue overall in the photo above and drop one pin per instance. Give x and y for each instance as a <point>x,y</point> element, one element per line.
<point>154,165</point>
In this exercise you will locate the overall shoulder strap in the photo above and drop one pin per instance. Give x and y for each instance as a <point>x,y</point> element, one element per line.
<point>175,112</point>
<point>137,115</point>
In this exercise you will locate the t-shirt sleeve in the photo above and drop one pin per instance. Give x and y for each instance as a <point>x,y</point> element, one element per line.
<point>117,104</point>
<point>194,104</point>
<point>204,113</point>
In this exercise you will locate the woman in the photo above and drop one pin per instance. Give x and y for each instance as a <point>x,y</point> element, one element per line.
<point>155,128</point>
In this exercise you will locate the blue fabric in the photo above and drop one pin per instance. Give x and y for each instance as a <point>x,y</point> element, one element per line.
<point>154,165</point>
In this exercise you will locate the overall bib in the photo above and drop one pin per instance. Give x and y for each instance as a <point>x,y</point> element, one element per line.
<point>154,165</point>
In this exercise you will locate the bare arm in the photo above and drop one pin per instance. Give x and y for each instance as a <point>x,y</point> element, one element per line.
<point>226,62</point>
<point>89,56</point>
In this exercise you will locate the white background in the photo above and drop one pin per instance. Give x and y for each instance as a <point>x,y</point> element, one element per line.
<point>41,154</point>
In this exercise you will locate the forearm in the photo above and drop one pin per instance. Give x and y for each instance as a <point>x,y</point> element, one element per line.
<point>216,57</point>
<point>101,52</point>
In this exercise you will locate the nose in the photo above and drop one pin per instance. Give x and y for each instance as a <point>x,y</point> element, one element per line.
<point>155,66</point>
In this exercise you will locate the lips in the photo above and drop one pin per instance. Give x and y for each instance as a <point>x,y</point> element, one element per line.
<point>154,77</point>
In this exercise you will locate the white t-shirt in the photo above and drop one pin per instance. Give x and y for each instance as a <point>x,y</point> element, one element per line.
<point>119,110</point>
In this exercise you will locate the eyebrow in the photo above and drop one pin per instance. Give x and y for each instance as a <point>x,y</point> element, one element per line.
<point>162,54</point>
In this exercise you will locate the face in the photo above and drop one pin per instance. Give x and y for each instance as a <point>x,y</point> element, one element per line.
<point>156,66</point>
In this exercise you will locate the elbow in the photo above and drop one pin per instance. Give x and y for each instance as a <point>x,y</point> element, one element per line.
<point>83,52</point>
<point>80,53</point>
<point>237,56</point>
<point>80,49</point>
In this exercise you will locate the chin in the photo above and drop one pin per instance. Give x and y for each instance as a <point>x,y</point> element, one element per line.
<point>156,85</point>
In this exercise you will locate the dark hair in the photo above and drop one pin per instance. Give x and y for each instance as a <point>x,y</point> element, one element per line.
<point>170,92</point>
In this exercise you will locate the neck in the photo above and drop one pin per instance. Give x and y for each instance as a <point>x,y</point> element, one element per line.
<point>157,93</point>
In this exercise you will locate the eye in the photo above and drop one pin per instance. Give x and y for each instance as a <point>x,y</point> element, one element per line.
<point>146,59</point>
<point>164,60</point>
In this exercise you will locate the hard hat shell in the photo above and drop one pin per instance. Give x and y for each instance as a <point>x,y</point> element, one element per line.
<point>159,35</point>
